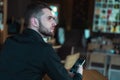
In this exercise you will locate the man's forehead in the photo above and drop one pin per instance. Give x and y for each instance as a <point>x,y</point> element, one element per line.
<point>47,11</point>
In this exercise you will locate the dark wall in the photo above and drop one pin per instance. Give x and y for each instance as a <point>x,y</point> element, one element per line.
<point>16,8</point>
<point>82,14</point>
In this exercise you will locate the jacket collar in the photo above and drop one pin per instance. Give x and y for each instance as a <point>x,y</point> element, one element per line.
<point>33,34</point>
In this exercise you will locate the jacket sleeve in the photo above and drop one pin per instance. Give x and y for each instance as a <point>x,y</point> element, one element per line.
<point>55,69</point>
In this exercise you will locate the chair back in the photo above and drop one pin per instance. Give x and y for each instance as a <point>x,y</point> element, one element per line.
<point>98,62</point>
<point>114,68</point>
<point>97,58</point>
<point>115,60</point>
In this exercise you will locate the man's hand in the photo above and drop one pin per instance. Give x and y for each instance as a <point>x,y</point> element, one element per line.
<point>80,69</point>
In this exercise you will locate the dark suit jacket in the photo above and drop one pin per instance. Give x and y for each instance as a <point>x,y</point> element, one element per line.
<point>27,57</point>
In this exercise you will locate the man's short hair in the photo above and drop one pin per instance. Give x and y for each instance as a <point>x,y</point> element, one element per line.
<point>34,10</point>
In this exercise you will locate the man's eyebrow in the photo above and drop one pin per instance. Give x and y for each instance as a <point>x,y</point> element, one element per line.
<point>51,17</point>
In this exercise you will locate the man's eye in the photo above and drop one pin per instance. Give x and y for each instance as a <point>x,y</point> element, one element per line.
<point>49,18</point>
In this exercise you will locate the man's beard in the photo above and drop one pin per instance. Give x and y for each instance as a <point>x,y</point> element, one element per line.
<point>44,31</point>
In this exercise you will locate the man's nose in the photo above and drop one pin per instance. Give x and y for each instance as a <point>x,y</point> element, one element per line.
<point>54,23</point>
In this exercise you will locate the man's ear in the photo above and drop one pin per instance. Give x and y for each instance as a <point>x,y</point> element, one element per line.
<point>34,22</point>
